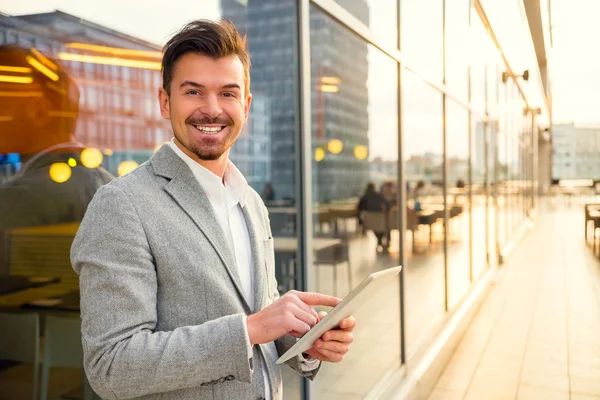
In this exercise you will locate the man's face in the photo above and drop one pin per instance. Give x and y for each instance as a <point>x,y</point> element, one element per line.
<point>207,106</point>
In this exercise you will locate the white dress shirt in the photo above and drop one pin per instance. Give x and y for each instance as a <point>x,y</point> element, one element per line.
<point>227,197</point>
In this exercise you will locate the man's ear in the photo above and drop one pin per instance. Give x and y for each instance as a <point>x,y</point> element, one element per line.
<point>163,101</point>
<point>247,106</point>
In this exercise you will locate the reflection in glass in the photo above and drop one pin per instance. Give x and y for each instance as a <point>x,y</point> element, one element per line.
<point>379,15</point>
<point>423,152</point>
<point>421,28</point>
<point>459,203</point>
<point>482,212</point>
<point>354,190</point>
<point>100,119</point>
<point>457,48</point>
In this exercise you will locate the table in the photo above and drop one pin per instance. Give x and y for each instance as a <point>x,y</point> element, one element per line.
<point>15,283</point>
<point>290,245</point>
<point>68,302</point>
<point>285,258</point>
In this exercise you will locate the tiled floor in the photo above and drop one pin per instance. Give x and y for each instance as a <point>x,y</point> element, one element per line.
<point>537,335</point>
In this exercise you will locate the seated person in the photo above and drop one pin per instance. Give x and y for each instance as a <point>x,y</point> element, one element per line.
<point>374,201</point>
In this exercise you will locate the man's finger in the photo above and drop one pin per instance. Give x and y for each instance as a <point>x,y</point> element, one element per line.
<point>318,299</point>
<point>348,323</point>
<point>330,355</point>
<point>303,306</point>
<point>338,336</point>
<point>336,347</point>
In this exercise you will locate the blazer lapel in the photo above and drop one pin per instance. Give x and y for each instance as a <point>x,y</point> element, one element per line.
<point>188,194</point>
<point>258,258</point>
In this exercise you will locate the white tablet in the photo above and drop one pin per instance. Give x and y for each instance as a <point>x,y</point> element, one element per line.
<point>348,306</point>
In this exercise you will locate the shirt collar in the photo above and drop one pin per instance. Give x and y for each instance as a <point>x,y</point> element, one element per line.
<point>232,192</point>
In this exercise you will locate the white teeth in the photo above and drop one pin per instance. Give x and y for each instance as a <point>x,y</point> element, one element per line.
<point>209,129</point>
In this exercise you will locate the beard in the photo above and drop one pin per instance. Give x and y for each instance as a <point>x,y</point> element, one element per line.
<point>209,148</point>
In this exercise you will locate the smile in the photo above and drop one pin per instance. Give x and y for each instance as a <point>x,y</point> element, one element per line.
<point>209,129</point>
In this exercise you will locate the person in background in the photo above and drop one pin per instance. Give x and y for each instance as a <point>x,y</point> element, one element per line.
<point>417,194</point>
<point>373,201</point>
<point>268,193</point>
<point>176,260</point>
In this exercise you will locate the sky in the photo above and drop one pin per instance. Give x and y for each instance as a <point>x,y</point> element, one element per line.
<point>575,61</point>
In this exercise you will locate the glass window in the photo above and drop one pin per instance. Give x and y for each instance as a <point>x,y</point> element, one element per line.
<point>355,147</point>
<point>459,202</point>
<point>482,200</point>
<point>479,49</point>
<point>423,151</point>
<point>121,127</point>
<point>457,49</point>
<point>381,16</point>
<point>421,28</point>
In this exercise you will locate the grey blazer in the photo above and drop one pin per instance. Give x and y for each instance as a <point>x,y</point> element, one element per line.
<point>162,306</point>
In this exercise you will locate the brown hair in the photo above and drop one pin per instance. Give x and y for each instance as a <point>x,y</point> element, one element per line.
<point>210,38</point>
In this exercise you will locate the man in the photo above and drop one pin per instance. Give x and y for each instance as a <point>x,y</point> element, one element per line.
<point>176,261</point>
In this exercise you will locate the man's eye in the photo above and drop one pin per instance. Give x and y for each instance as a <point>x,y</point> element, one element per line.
<point>228,94</point>
<point>193,92</point>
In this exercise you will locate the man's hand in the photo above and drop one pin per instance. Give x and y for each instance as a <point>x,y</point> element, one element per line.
<point>291,313</point>
<point>334,344</point>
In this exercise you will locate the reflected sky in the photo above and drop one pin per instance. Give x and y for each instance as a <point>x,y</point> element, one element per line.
<point>152,20</point>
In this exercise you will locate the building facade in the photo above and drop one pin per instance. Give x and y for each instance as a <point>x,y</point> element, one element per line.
<point>575,152</point>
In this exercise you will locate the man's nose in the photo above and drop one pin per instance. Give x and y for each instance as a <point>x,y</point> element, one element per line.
<point>211,106</point>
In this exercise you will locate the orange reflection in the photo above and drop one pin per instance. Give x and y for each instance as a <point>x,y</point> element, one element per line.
<point>42,68</point>
<point>15,79</point>
<point>335,146</point>
<point>118,51</point>
<point>120,62</point>
<point>47,183</point>
<point>7,68</point>
<point>126,167</point>
<point>319,154</point>
<point>60,172</point>
<point>91,158</point>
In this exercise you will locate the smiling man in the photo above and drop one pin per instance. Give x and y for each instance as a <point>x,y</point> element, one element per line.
<point>176,262</point>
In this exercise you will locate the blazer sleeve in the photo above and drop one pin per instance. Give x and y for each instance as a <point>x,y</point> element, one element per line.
<point>124,357</point>
<point>285,342</point>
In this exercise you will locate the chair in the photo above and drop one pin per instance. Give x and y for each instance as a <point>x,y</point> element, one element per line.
<point>589,208</point>
<point>375,221</point>
<point>62,348</point>
<point>20,341</point>
<point>333,256</point>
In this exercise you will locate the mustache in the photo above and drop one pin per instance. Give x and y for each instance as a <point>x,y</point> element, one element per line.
<point>221,120</point>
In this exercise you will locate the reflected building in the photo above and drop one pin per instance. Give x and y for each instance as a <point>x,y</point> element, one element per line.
<point>339,96</point>
<point>576,150</point>
<point>117,75</point>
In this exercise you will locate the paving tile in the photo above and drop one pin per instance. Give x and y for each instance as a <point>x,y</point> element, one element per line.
<point>576,396</point>
<point>583,372</point>
<point>457,380</point>
<point>585,386</point>
<point>535,393</point>
<point>442,394</point>
<point>546,381</point>
<point>490,385</point>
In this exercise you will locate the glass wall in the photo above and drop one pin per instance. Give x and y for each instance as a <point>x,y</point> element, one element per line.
<point>458,202</point>
<point>423,150</point>
<point>95,116</point>
<point>354,170</point>
<point>464,133</point>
